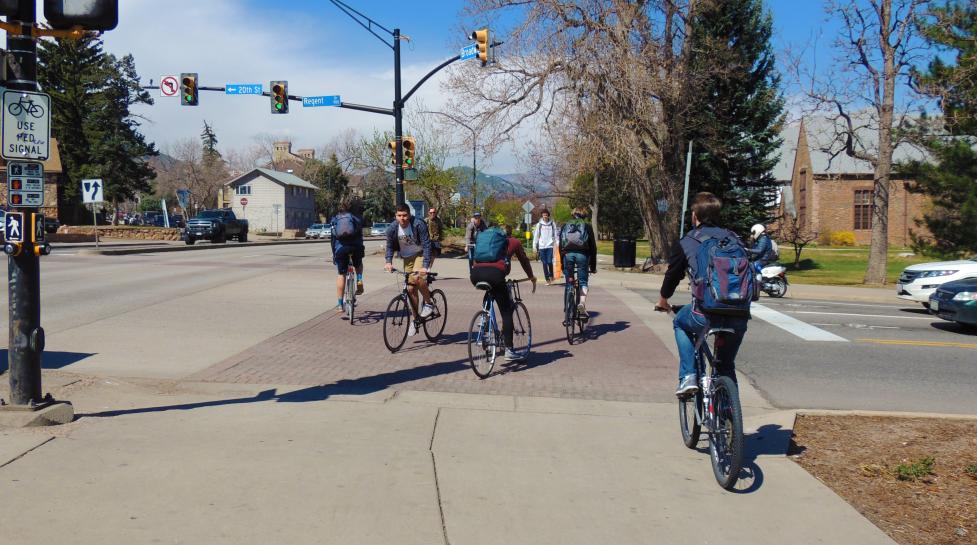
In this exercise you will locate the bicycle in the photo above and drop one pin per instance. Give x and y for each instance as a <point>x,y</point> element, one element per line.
<point>401,312</point>
<point>17,108</point>
<point>485,343</point>
<point>714,408</point>
<point>349,296</point>
<point>573,321</point>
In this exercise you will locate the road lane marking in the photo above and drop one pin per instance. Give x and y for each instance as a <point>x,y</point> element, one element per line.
<point>942,344</point>
<point>928,318</point>
<point>818,302</point>
<point>794,326</point>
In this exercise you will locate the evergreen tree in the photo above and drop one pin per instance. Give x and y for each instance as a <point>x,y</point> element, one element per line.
<point>950,179</point>
<point>332,183</point>
<point>209,140</point>
<point>736,135</point>
<point>378,200</point>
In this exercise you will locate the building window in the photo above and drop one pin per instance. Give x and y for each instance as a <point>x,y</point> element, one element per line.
<point>863,209</point>
<point>243,190</point>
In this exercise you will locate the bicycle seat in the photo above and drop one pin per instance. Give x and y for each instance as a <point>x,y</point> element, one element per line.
<point>484,286</point>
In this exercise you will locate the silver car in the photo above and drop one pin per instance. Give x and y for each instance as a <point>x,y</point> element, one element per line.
<point>317,230</point>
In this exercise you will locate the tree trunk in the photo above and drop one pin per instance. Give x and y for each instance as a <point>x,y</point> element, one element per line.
<point>593,206</point>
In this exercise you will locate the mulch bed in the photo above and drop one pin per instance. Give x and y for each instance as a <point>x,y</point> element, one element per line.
<point>860,458</point>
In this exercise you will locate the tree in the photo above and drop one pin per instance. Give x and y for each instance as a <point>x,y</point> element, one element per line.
<point>378,198</point>
<point>621,217</point>
<point>736,132</point>
<point>332,183</point>
<point>209,140</point>
<point>795,233</point>
<point>950,179</point>
<point>868,96</point>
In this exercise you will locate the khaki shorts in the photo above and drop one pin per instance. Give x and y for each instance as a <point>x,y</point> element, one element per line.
<point>412,264</point>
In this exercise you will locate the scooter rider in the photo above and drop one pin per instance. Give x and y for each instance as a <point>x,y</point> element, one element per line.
<point>762,251</point>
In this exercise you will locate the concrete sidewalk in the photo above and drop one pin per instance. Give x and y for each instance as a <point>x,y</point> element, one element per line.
<point>216,464</point>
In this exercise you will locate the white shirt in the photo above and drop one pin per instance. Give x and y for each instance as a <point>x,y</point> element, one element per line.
<point>544,235</point>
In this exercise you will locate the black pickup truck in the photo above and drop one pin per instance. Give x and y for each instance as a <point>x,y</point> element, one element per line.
<point>216,226</point>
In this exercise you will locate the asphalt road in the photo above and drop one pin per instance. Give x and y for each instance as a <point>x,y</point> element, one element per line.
<point>852,355</point>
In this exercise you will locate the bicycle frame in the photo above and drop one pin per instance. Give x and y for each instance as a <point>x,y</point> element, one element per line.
<point>705,414</point>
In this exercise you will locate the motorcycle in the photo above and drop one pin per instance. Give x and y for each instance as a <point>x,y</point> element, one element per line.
<point>771,279</point>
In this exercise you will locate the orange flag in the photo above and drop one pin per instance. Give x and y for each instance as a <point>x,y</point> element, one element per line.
<point>557,264</point>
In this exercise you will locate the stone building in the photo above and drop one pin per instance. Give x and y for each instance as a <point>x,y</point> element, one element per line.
<point>53,182</point>
<point>830,194</point>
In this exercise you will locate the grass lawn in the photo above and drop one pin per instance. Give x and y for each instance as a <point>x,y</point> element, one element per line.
<point>828,266</point>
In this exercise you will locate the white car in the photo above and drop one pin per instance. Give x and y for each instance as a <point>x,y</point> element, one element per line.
<point>918,282</point>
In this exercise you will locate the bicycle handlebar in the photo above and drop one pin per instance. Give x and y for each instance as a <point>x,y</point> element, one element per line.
<point>672,309</point>
<point>394,271</point>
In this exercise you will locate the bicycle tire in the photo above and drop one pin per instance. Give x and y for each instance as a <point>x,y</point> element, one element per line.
<point>569,313</point>
<point>522,329</point>
<point>688,408</point>
<point>350,296</point>
<point>396,322</point>
<point>434,326</point>
<point>482,345</point>
<point>726,441</point>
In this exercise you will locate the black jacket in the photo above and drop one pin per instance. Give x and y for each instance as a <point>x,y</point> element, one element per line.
<point>590,252</point>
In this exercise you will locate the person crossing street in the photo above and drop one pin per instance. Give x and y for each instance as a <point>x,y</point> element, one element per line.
<point>544,238</point>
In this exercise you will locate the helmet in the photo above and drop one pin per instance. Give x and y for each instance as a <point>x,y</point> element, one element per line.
<point>757,230</point>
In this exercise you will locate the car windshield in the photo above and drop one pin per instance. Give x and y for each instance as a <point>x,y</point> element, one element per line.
<point>316,226</point>
<point>209,214</point>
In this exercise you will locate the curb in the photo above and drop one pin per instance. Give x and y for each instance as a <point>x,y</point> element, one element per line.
<point>187,248</point>
<point>892,414</point>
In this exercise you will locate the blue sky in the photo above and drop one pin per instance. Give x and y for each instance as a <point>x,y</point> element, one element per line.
<point>320,51</point>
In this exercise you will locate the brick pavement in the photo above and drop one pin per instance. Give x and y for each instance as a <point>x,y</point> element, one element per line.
<point>622,360</point>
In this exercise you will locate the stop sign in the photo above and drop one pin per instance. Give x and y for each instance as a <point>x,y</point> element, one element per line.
<point>244,201</point>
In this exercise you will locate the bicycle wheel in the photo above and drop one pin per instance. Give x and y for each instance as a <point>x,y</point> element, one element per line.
<point>569,313</point>
<point>482,346</point>
<point>350,300</point>
<point>434,325</point>
<point>396,322</point>
<point>688,407</point>
<point>522,329</point>
<point>726,441</point>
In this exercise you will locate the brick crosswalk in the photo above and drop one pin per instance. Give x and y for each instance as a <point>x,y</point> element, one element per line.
<point>621,359</point>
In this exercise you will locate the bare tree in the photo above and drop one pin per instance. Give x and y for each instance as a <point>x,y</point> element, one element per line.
<point>794,232</point>
<point>868,97</point>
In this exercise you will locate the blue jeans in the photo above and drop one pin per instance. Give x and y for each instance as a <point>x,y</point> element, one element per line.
<point>471,256</point>
<point>579,264</point>
<point>688,324</point>
<point>546,258</point>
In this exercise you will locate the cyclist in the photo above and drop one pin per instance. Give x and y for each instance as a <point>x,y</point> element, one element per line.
<point>690,320</point>
<point>578,253</point>
<point>474,227</point>
<point>408,236</point>
<point>762,251</point>
<point>347,244</point>
<point>435,229</point>
<point>494,273</point>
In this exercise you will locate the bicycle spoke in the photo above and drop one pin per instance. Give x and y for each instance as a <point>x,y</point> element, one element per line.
<point>482,346</point>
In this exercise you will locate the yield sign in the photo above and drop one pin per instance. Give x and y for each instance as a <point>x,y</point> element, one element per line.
<point>169,86</point>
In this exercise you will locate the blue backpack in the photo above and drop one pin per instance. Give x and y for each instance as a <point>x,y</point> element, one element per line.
<point>345,228</point>
<point>490,246</point>
<point>723,281</point>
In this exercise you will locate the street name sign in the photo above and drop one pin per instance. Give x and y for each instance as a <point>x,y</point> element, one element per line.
<point>313,102</point>
<point>13,227</point>
<point>92,191</point>
<point>25,184</point>
<point>469,52</point>
<point>26,125</point>
<point>243,89</point>
<point>169,86</point>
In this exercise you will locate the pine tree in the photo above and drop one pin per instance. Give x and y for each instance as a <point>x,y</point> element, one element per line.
<point>737,131</point>
<point>950,179</point>
<point>209,140</point>
<point>332,183</point>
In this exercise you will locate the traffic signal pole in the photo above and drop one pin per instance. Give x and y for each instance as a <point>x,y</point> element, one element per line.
<point>398,121</point>
<point>26,341</point>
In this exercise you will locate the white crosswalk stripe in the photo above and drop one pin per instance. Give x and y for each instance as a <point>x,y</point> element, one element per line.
<point>793,326</point>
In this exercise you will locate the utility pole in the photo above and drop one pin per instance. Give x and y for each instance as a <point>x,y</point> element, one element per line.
<point>398,121</point>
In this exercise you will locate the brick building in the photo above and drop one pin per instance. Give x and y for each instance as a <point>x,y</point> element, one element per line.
<point>831,194</point>
<point>53,181</point>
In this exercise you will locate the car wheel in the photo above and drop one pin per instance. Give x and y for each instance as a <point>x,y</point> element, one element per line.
<point>190,241</point>
<point>243,237</point>
<point>926,306</point>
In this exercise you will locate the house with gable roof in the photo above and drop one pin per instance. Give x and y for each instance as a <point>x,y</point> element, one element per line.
<point>271,201</point>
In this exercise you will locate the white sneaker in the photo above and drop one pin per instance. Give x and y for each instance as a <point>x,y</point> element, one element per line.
<point>511,355</point>
<point>411,329</point>
<point>427,310</point>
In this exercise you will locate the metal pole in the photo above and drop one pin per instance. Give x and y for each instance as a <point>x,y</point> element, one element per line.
<point>95,225</point>
<point>474,173</point>
<point>26,342</point>
<point>398,120</point>
<point>685,199</point>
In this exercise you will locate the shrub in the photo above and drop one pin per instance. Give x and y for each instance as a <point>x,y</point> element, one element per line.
<point>824,238</point>
<point>971,470</point>
<point>842,238</point>
<point>913,471</point>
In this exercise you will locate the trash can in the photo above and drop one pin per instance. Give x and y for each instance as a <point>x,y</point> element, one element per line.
<point>624,252</point>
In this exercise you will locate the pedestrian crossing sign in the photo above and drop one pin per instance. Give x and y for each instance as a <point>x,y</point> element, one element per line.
<point>13,227</point>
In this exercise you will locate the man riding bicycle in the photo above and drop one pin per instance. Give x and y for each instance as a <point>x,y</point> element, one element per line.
<point>690,320</point>
<point>408,236</point>
<point>347,244</point>
<point>493,253</point>
<point>578,254</point>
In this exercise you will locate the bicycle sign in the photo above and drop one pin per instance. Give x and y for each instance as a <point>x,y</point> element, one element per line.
<point>26,125</point>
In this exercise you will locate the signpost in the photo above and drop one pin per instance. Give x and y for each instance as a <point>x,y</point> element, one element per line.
<point>93,191</point>
<point>25,184</point>
<point>328,100</point>
<point>169,86</point>
<point>244,205</point>
<point>277,208</point>
<point>243,89</point>
<point>26,125</point>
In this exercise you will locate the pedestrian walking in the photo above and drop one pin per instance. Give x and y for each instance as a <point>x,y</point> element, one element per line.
<point>474,227</point>
<point>544,238</point>
<point>435,230</point>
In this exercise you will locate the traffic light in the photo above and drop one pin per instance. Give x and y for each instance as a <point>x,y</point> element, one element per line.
<point>393,151</point>
<point>188,89</point>
<point>409,147</point>
<point>481,38</point>
<point>88,14</point>
<point>279,97</point>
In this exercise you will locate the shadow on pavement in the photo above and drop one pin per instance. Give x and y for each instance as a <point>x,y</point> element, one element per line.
<point>50,360</point>
<point>954,327</point>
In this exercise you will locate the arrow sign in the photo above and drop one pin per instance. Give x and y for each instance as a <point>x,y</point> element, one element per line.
<point>243,89</point>
<point>469,52</point>
<point>329,100</point>
<point>92,191</point>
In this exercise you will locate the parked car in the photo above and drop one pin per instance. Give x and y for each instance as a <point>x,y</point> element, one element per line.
<point>956,302</point>
<point>918,282</point>
<point>378,229</point>
<point>51,225</point>
<point>315,230</point>
<point>216,226</point>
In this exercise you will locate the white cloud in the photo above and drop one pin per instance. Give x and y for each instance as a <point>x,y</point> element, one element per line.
<point>224,42</point>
